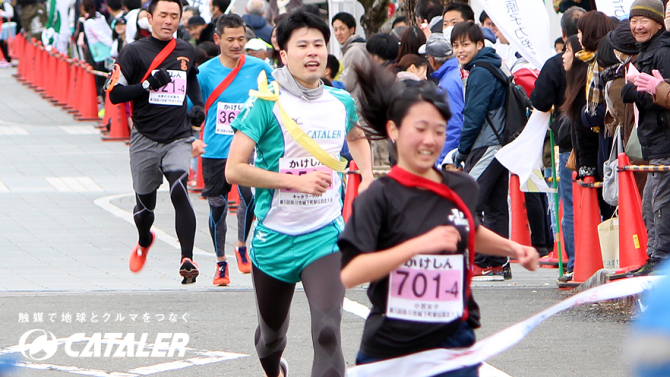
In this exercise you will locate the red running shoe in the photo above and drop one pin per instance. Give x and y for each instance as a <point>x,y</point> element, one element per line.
<point>139,255</point>
<point>242,256</point>
<point>221,276</point>
<point>188,270</point>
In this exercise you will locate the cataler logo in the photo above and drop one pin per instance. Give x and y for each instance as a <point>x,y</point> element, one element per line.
<point>42,347</point>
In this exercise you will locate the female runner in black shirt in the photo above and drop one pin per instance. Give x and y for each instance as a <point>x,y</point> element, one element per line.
<point>410,232</point>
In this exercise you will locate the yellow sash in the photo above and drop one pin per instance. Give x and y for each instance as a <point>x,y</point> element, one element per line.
<point>294,130</point>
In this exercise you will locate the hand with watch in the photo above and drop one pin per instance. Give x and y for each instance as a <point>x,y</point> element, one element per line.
<point>156,81</point>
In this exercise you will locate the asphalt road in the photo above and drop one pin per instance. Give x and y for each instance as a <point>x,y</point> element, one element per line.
<point>65,235</point>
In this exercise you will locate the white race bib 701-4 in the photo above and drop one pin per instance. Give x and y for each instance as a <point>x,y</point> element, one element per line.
<point>427,288</point>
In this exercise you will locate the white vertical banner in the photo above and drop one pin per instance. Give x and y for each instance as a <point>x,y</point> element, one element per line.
<point>525,24</point>
<point>616,8</point>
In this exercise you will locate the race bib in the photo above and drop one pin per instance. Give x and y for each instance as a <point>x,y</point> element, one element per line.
<point>225,115</point>
<point>300,166</point>
<point>427,288</point>
<point>173,94</point>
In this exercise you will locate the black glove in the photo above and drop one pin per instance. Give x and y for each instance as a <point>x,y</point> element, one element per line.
<point>459,159</point>
<point>159,79</point>
<point>197,115</point>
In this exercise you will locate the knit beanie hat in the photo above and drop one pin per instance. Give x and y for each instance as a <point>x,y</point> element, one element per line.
<point>622,39</point>
<point>652,9</point>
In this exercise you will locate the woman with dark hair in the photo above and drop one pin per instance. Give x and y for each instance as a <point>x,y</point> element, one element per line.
<point>584,141</point>
<point>412,38</point>
<point>410,221</point>
<point>412,67</point>
<point>591,28</point>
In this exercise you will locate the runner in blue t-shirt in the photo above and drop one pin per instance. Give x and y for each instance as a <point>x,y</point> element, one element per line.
<point>217,135</point>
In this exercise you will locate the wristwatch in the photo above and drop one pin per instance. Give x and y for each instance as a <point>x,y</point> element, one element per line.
<point>145,85</point>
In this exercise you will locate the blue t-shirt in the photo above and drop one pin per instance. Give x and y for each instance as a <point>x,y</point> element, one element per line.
<point>217,132</point>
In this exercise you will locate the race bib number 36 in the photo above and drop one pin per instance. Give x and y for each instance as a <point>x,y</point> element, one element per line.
<point>173,94</point>
<point>428,288</point>
<point>225,115</point>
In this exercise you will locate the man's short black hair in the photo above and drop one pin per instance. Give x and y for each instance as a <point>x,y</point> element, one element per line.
<point>154,3</point>
<point>398,20</point>
<point>114,5</point>
<point>483,17</point>
<point>333,64</point>
<point>383,45</point>
<point>221,4</point>
<point>132,4</point>
<point>298,20</point>
<point>559,40</point>
<point>230,20</point>
<point>346,19</point>
<point>467,30</point>
<point>466,11</point>
<point>428,9</point>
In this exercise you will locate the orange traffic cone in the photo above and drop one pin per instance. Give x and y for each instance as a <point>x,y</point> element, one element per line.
<point>353,181</point>
<point>50,77</point>
<point>73,89</point>
<point>233,199</point>
<point>62,81</point>
<point>588,258</point>
<point>118,122</point>
<point>89,96</point>
<point>632,231</point>
<point>19,51</point>
<point>519,216</point>
<point>39,69</point>
<point>200,180</point>
<point>25,62</point>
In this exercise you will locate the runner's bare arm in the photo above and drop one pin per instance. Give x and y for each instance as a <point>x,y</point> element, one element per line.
<point>238,171</point>
<point>493,244</point>
<point>369,267</point>
<point>359,147</point>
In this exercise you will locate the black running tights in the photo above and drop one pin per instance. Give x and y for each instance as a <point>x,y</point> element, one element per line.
<point>325,293</point>
<point>184,213</point>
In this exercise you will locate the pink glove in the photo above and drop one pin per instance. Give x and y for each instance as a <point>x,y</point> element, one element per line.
<point>632,74</point>
<point>647,83</point>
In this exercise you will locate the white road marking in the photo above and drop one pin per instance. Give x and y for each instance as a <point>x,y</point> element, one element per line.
<point>13,130</point>
<point>73,184</point>
<point>3,187</point>
<point>203,358</point>
<point>106,203</point>
<point>80,130</point>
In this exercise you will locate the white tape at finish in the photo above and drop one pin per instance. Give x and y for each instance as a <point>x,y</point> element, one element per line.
<point>432,362</point>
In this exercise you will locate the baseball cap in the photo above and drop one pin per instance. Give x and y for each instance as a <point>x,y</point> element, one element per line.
<point>436,46</point>
<point>256,44</point>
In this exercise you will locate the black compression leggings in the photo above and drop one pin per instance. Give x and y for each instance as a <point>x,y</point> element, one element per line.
<point>245,213</point>
<point>325,293</point>
<point>184,213</point>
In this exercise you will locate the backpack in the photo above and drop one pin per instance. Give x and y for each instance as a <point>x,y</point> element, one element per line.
<point>517,105</point>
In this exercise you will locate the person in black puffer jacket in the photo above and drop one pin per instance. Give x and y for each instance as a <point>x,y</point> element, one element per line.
<point>647,25</point>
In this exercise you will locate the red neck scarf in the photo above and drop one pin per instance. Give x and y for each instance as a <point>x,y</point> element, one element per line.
<point>408,179</point>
